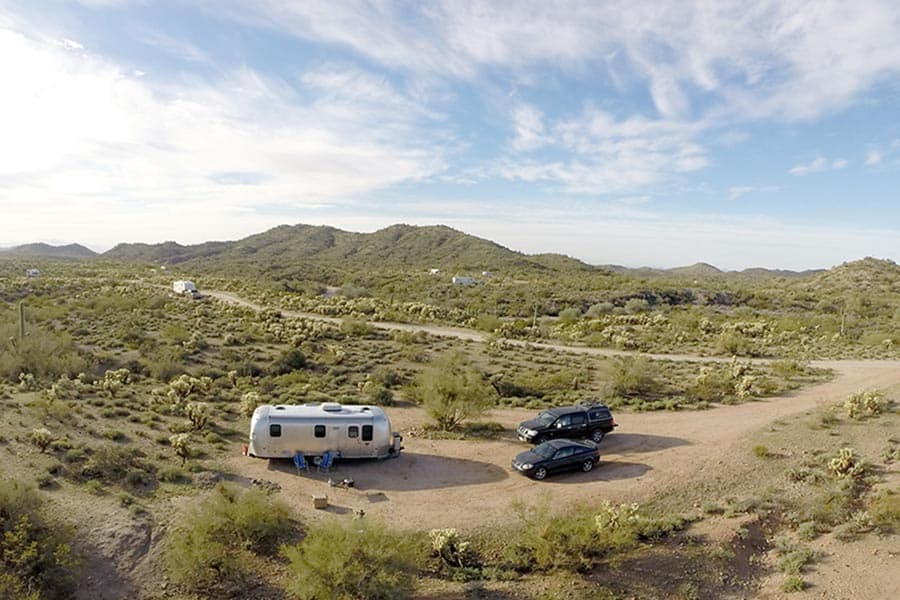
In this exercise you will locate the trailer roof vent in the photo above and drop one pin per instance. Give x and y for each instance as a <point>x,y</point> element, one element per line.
<point>365,408</point>
<point>279,407</point>
<point>331,406</point>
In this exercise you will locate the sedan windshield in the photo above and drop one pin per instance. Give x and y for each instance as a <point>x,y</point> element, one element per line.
<point>545,419</point>
<point>544,450</point>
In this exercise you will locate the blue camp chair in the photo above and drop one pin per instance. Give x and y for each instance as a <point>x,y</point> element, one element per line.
<point>300,462</point>
<point>326,460</point>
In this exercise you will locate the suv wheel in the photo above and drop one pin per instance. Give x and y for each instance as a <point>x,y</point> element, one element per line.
<point>540,473</point>
<point>597,436</point>
<point>540,439</point>
<point>587,465</point>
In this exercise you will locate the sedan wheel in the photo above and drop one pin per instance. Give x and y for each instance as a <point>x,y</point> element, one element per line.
<point>597,436</point>
<point>540,473</point>
<point>587,465</point>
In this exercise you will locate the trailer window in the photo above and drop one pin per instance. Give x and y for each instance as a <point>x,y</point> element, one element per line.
<point>320,431</point>
<point>367,433</point>
<point>275,430</point>
<point>353,431</point>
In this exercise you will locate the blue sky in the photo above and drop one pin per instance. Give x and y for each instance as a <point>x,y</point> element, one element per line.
<point>635,133</point>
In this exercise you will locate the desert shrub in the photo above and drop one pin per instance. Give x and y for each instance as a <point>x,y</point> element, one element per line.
<point>862,405</point>
<point>630,377</point>
<point>884,511</point>
<point>378,394</point>
<point>211,548</point>
<point>793,583</point>
<point>545,541</point>
<point>290,360</point>
<point>36,561</point>
<point>173,475</point>
<point>451,391</point>
<point>348,561</point>
<point>568,316</point>
<point>761,451</point>
<point>110,463</point>
<point>42,354</point>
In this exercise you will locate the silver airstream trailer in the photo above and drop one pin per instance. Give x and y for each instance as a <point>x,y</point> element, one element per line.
<point>312,429</point>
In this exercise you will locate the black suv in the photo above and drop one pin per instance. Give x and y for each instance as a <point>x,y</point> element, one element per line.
<point>581,421</point>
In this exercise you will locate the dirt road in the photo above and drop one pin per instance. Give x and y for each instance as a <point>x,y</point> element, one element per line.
<point>469,483</point>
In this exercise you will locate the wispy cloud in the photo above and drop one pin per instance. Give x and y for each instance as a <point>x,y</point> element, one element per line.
<point>529,128</point>
<point>610,156</point>
<point>736,192</point>
<point>176,47</point>
<point>873,158</point>
<point>818,165</point>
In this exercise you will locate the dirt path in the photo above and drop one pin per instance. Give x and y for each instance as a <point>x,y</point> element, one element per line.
<point>468,484</point>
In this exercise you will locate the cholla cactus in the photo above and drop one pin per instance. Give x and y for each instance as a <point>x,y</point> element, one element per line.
<point>181,445</point>
<point>614,517</point>
<point>113,381</point>
<point>41,437</point>
<point>249,402</point>
<point>864,404</point>
<point>27,382</point>
<point>450,548</point>
<point>845,464</point>
<point>198,414</point>
<point>183,386</point>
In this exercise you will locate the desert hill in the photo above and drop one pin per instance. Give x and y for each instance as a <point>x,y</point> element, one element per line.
<point>48,251</point>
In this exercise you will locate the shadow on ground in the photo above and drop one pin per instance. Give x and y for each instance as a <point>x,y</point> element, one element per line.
<point>409,472</point>
<point>624,443</point>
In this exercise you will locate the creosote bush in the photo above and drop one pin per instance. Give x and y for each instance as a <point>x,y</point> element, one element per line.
<point>451,391</point>
<point>349,561</point>
<point>211,550</point>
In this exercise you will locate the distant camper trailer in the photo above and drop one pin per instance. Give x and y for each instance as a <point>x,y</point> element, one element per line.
<point>313,429</point>
<point>184,287</point>
<point>464,280</point>
<point>32,273</point>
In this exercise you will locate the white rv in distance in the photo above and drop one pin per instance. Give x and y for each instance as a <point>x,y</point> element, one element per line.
<point>282,431</point>
<point>184,287</point>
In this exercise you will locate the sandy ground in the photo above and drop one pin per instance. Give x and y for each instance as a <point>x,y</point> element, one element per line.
<point>469,483</point>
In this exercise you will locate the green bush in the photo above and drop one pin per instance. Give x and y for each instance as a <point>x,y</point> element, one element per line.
<point>452,392</point>
<point>630,377</point>
<point>211,550</point>
<point>350,561</point>
<point>36,561</point>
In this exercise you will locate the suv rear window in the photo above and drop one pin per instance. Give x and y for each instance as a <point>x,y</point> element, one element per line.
<point>598,415</point>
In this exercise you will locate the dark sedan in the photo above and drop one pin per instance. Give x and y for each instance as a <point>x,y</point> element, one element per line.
<point>557,455</point>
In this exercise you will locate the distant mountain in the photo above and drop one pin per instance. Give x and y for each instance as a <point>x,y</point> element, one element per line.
<point>308,249</point>
<point>871,276</point>
<point>42,250</point>
<point>166,252</point>
<point>700,269</point>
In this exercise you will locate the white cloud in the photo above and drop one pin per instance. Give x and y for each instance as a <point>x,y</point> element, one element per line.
<point>529,128</point>
<point>793,59</point>
<point>736,192</point>
<point>818,165</point>
<point>839,163</point>
<point>873,158</point>
<point>82,135</point>
<point>610,156</point>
